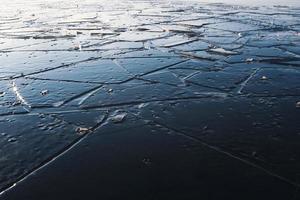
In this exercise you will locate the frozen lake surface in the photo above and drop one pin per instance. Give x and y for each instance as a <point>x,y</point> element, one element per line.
<point>149,100</point>
<point>256,2</point>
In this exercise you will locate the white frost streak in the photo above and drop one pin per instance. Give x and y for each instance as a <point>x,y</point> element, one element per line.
<point>19,96</point>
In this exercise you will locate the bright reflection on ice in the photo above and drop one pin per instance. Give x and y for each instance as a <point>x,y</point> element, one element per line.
<point>19,96</point>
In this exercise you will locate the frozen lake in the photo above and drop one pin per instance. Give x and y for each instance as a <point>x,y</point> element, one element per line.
<point>149,100</point>
<point>257,2</point>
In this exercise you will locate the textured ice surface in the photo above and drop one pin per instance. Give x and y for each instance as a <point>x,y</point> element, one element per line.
<point>223,76</point>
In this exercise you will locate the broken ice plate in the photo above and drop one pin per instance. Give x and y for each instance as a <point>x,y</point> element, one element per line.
<point>264,78</point>
<point>82,130</point>
<point>249,59</point>
<point>44,92</point>
<point>119,118</point>
<point>223,51</point>
<point>12,139</point>
<point>142,105</point>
